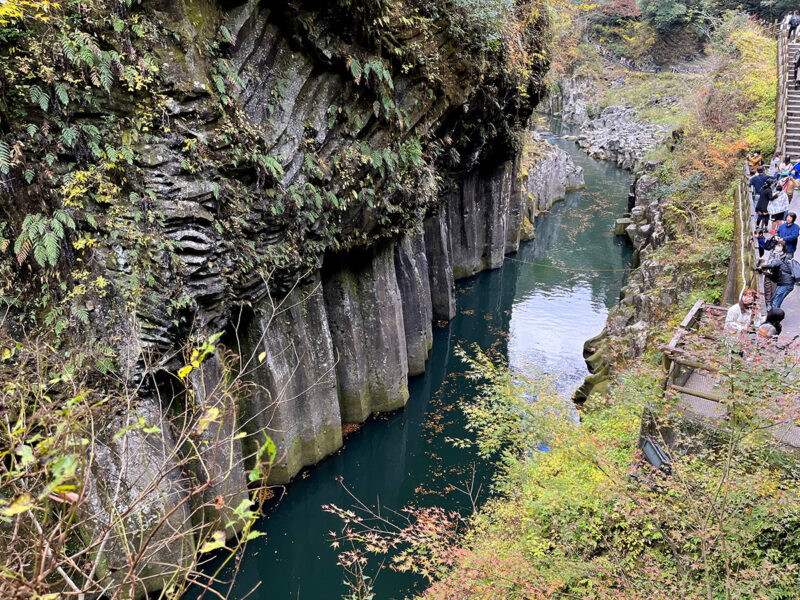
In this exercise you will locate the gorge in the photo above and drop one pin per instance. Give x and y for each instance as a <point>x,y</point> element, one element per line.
<point>536,311</point>
<point>249,249</point>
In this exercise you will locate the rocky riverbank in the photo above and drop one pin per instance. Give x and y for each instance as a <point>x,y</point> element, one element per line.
<point>614,133</point>
<point>649,294</point>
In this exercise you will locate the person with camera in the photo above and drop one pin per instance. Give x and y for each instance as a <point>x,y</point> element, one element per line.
<point>778,272</point>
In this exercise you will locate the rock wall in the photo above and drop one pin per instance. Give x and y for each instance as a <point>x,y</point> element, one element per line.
<point>365,313</point>
<point>135,473</point>
<point>413,280</point>
<point>647,295</point>
<point>295,400</point>
<point>550,175</point>
<point>341,347</point>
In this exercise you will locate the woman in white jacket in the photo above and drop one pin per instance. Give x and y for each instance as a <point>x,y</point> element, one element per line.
<point>741,314</point>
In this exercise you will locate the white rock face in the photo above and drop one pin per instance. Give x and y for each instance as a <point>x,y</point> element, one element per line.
<point>615,134</point>
<point>550,175</point>
<point>618,136</point>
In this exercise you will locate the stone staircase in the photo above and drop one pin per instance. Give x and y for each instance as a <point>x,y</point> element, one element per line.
<point>793,108</point>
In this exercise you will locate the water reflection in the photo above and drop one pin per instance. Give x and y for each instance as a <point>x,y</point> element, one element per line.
<point>538,310</point>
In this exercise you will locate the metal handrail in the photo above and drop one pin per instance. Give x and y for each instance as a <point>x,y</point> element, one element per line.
<point>783,87</point>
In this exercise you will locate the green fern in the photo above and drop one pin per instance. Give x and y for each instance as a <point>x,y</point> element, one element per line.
<point>5,158</point>
<point>61,93</point>
<point>69,135</point>
<point>41,237</point>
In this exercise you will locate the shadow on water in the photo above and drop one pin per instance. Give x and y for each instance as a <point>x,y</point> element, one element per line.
<point>537,311</point>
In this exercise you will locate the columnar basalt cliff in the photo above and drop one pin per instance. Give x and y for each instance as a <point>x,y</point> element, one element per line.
<point>311,187</point>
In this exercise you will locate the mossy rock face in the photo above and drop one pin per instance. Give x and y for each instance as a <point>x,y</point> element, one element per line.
<point>303,453</point>
<point>365,313</point>
<point>527,232</point>
<point>139,470</point>
<point>295,401</point>
<point>593,385</point>
<point>596,361</point>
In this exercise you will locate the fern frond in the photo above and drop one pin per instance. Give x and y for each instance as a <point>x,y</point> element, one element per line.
<point>94,75</point>
<point>69,136</point>
<point>40,254</point>
<point>61,92</point>
<point>50,243</point>
<point>5,157</point>
<point>23,247</point>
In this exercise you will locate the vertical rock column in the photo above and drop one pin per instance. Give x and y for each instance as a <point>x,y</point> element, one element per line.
<point>466,220</point>
<point>295,400</point>
<point>497,202</point>
<point>479,217</point>
<point>219,447</point>
<point>411,266</point>
<point>440,269</point>
<point>137,498</point>
<point>366,320</point>
<point>516,208</point>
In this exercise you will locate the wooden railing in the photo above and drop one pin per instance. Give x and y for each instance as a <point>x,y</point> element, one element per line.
<point>783,88</point>
<point>679,362</point>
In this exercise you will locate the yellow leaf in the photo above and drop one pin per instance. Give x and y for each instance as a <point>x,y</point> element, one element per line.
<point>217,541</point>
<point>184,371</point>
<point>20,504</point>
<point>262,356</point>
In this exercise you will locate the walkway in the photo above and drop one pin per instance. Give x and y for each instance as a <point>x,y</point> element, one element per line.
<point>692,358</point>
<point>791,306</point>
<point>792,105</point>
<point>695,380</point>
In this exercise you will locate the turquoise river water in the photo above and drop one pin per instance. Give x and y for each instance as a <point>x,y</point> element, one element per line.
<point>537,311</point>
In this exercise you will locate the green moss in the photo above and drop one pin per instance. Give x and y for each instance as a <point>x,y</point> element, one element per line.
<point>303,453</point>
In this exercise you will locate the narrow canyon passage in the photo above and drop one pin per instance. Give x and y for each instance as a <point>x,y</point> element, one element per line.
<point>537,311</point>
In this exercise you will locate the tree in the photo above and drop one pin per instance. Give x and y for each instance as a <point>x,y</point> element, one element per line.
<point>664,14</point>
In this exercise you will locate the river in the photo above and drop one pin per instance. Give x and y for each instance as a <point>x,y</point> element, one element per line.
<point>537,311</point>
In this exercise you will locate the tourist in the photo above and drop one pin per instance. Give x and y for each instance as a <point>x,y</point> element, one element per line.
<point>765,196</point>
<point>772,327</point>
<point>786,166</point>
<point>740,315</point>
<point>757,181</point>
<point>770,278</point>
<point>794,21</point>
<point>764,244</point>
<point>778,270</point>
<point>754,161</point>
<point>775,165</point>
<point>777,209</point>
<point>791,184</point>
<point>796,69</point>
<point>788,233</point>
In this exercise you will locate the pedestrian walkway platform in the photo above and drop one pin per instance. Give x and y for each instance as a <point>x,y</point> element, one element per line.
<point>694,359</point>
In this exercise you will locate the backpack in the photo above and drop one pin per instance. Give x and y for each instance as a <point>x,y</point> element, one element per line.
<point>795,268</point>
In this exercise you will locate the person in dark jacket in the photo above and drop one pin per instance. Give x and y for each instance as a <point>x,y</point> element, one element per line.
<point>794,22</point>
<point>779,270</point>
<point>757,181</point>
<point>789,232</point>
<point>796,67</point>
<point>762,205</point>
<point>772,326</point>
